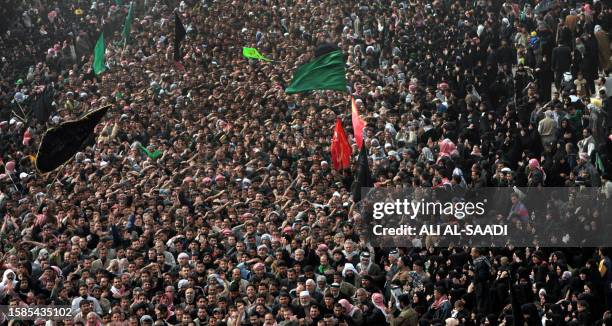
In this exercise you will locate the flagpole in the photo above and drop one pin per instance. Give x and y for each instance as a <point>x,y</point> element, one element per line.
<point>14,185</point>
<point>17,115</point>
<point>22,111</point>
<point>61,169</point>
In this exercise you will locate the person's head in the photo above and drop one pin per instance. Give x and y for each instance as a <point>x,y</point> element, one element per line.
<point>314,312</point>
<point>602,252</point>
<point>304,298</point>
<point>269,320</point>
<point>582,305</point>
<point>514,198</point>
<point>190,295</point>
<point>311,286</point>
<point>92,319</point>
<point>475,252</point>
<point>364,258</point>
<point>254,319</point>
<point>287,313</point>
<point>146,320</point>
<point>459,304</point>
<point>404,300</point>
<point>83,290</point>
<point>86,306</point>
<point>299,255</point>
<point>161,311</point>
<point>361,295</point>
<point>97,291</point>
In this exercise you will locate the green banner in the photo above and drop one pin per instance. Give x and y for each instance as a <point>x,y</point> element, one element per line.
<point>252,53</point>
<point>98,64</point>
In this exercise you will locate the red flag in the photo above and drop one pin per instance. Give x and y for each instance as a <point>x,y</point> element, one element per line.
<point>358,123</point>
<point>340,149</point>
<point>27,136</point>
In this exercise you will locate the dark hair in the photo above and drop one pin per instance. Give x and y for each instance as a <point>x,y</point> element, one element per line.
<point>404,299</point>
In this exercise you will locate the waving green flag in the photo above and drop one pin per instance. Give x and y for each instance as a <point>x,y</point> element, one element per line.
<point>326,71</point>
<point>98,64</point>
<point>128,23</point>
<point>252,53</point>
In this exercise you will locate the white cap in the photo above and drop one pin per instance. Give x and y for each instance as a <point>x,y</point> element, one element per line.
<point>182,283</point>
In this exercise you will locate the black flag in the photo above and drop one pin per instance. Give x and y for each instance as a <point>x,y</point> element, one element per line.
<point>42,107</point>
<point>179,36</point>
<point>61,143</point>
<point>364,177</point>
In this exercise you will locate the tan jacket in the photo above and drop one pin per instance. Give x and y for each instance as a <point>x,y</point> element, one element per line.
<point>547,127</point>
<point>408,317</point>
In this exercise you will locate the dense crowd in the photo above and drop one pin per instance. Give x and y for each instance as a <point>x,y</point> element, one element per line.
<point>243,220</point>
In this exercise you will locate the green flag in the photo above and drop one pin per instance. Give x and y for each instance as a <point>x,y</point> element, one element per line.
<point>324,72</point>
<point>252,53</point>
<point>98,64</point>
<point>128,23</point>
<point>599,164</point>
<point>155,155</point>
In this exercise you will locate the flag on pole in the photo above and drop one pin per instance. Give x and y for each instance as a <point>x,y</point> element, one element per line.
<point>155,155</point>
<point>61,143</point>
<point>127,26</point>
<point>358,123</point>
<point>340,149</point>
<point>364,177</point>
<point>179,36</point>
<point>252,53</point>
<point>98,64</point>
<point>323,72</point>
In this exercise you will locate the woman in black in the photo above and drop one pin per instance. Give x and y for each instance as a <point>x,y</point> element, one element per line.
<point>545,78</point>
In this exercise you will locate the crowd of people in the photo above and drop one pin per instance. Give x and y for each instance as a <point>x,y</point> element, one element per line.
<point>243,220</point>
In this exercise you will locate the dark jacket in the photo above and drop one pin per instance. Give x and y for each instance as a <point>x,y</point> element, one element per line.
<point>561,58</point>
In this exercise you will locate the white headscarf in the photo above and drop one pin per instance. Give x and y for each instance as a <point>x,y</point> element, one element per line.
<point>479,30</point>
<point>5,279</point>
<point>348,267</point>
<point>427,154</point>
